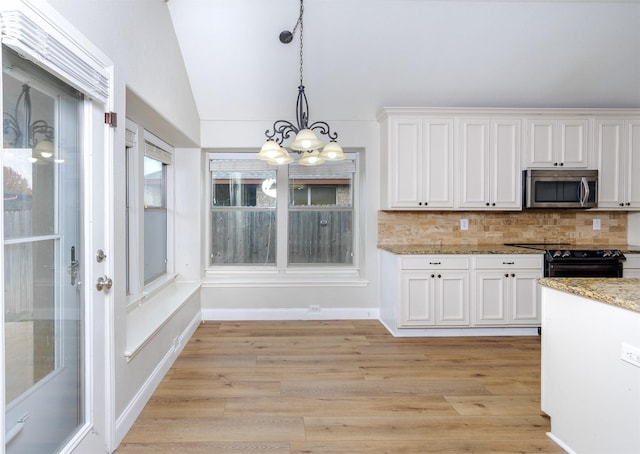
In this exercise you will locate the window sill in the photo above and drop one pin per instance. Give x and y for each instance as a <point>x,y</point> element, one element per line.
<point>152,311</point>
<point>302,277</point>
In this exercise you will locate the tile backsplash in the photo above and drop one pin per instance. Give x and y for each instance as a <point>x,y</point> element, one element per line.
<point>489,227</point>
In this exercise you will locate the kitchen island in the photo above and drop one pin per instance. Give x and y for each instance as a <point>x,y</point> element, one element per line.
<point>591,363</point>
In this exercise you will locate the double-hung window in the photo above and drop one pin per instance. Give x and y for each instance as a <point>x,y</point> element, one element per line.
<point>282,217</point>
<point>148,204</point>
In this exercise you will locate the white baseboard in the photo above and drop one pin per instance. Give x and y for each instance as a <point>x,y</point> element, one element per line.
<point>459,332</point>
<point>133,410</point>
<point>291,314</point>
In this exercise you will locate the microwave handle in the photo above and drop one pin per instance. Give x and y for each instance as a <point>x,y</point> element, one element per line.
<point>584,191</point>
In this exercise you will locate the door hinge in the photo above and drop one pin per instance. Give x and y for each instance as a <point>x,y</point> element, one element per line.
<point>111,118</point>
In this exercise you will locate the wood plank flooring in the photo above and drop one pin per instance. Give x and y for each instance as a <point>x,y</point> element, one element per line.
<point>337,387</point>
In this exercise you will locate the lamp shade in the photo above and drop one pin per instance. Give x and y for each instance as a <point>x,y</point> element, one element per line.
<point>332,152</point>
<point>306,140</point>
<point>311,158</point>
<point>281,160</point>
<point>271,150</point>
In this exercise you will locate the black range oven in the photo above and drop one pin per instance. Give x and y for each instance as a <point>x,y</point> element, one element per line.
<point>564,260</point>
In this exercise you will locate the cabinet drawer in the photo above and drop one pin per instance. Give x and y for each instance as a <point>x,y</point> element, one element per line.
<point>509,261</point>
<point>430,262</point>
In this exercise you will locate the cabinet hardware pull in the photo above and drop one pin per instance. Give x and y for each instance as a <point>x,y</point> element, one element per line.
<point>508,263</point>
<point>435,263</point>
<point>439,275</point>
<point>433,275</point>
<point>506,274</point>
<point>513,275</point>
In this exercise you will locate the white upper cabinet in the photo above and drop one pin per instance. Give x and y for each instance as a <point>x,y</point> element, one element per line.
<point>419,168</point>
<point>472,158</point>
<point>557,142</point>
<point>617,150</point>
<point>488,153</point>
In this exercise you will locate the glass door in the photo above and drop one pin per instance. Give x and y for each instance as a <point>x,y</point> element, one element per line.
<point>43,246</point>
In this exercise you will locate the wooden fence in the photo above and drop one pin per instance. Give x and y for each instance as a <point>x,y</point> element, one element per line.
<point>248,237</point>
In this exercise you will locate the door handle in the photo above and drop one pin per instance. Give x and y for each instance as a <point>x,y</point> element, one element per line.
<point>74,266</point>
<point>584,192</point>
<point>104,283</point>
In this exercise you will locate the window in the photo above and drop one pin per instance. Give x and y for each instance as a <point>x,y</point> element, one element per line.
<point>155,219</point>
<point>148,204</point>
<point>281,216</point>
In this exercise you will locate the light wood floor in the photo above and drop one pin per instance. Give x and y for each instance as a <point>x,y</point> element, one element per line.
<point>344,387</point>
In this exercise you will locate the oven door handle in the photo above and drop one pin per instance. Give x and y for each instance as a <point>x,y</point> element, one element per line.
<point>584,191</point>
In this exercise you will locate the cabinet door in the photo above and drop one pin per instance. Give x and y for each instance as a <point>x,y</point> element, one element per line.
<point>554,142</point>
<point>405,162</point>
<point>540,143</point>
<point>524,298</point>
<point>417,306</point>
<point>437,163</point>
<point>608,137</point>
<point>572,145</point>
<point>473,163</point>
<point>491,294</point>
<point>632,164</point>
<point>506,179</point>
<point>452,298</point>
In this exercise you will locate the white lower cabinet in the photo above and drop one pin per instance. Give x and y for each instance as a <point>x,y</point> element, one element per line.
<point>431,291</point>
<point>434,291</point>
<point>435,298</point>
<point>631,267</point>
<point>505,290</point>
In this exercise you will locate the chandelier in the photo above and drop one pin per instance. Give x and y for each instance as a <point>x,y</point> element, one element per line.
<point>20,132</point>
<point>312,151</point>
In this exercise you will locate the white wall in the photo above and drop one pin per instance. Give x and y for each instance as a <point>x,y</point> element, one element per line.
<point>152,88</point>
<point>357,300</point>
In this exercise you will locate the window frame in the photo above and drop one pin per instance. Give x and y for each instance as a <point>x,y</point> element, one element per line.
<point>136,137</point>
<point>282,272</point>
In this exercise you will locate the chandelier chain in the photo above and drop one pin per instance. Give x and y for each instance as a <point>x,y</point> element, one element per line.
<point>301,22</point>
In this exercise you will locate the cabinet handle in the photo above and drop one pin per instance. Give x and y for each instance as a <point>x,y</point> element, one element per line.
<point>493,204</point>
<point>435,263</point>
<point>555,163</point>
<point>506,274</point>
<point>513,275</point>
<point>628,203</point>
<point>508,263</point>
<point>439,275</point>
<point>621,204</point>
<point>433,275</point>
<point>419,203</point>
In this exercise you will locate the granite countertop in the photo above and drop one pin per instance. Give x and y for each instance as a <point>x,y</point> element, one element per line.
<point>430,249</point>
<point>622,292</point>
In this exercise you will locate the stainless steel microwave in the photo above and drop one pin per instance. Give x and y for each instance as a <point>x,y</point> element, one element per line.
<point>560,188</point>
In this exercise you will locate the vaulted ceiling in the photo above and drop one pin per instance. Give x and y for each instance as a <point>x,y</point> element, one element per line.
<point>362,55</point>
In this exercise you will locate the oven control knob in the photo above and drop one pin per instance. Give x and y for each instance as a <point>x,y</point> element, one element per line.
<point>607,254</point>
<point>615,253</point>
<point>566,254</point>
<point>555,254</point>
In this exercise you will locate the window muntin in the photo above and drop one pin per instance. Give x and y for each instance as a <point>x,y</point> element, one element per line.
<point>314,225</point>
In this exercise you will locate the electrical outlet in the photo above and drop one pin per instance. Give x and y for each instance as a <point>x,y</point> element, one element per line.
<point>596,224</point>
<point>631,354</point>
<point>314,308</point>
<point>464,224</point>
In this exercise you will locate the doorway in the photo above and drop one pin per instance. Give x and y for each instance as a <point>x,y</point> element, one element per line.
<point>44,304</point>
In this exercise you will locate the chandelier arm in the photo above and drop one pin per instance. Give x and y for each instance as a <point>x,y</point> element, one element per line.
<point>324,129</point>
<point>284,129</point>
<point>302,109</point>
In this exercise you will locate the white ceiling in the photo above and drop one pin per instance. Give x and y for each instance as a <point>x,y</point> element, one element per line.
<point>362,55</point>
